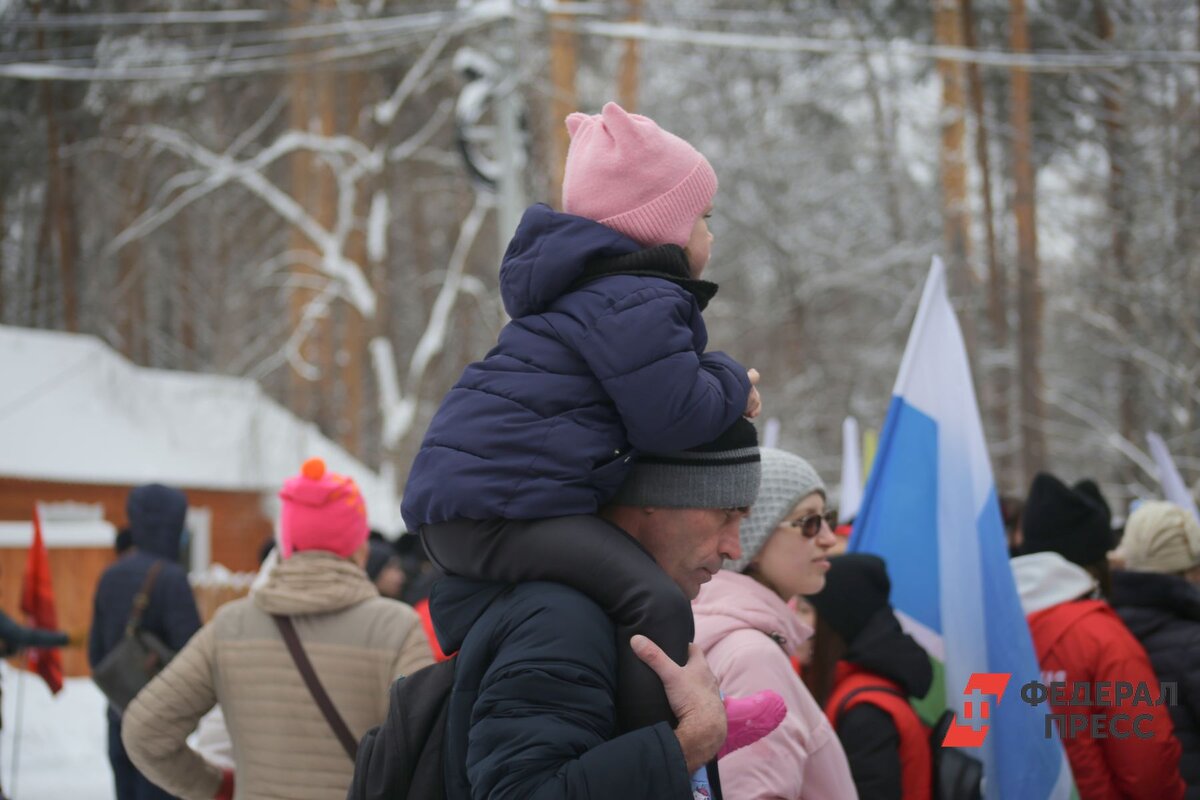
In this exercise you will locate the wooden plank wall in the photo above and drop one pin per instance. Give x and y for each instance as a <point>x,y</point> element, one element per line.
<point>75,572</point>
<point>238,530</point>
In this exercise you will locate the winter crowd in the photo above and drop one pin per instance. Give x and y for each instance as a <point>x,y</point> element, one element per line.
<point>639,600</point>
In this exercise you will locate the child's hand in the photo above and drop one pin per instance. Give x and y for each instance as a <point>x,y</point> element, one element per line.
<point>754,401</point>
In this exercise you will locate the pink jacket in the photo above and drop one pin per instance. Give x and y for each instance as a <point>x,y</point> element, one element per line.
<point>748,636</point>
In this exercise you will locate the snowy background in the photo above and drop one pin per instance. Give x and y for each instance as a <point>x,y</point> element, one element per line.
<point>63,752</point>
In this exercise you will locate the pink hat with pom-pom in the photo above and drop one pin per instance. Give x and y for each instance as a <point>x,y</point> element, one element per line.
<point>627,173</point>
<point>321,511</point>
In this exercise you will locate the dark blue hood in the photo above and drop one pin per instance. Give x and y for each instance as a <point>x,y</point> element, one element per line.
<point>156,515</point>
<point>547,255</point>
<point>455,604</point>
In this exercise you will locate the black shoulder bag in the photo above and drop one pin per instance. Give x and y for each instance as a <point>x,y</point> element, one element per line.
<point>138,657</point>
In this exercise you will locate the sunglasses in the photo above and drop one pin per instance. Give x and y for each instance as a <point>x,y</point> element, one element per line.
<point>810,525</point>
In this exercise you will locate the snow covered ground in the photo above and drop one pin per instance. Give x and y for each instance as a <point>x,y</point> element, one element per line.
<point>63,750</point>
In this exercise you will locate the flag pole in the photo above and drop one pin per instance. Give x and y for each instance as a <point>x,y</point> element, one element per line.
<point>16,746</point>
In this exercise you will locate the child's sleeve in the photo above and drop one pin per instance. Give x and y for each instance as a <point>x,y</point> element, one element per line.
<point>648,353</point>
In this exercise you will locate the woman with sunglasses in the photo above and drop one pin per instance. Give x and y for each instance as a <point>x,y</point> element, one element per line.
<point>749,634</point>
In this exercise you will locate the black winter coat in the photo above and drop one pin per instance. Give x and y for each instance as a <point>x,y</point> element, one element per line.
<point>156,515</point>
<point>867,732</point>
<point>1163,612</point>
<point>532,714</point>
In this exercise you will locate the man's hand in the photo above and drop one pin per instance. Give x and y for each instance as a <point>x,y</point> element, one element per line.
<point>694,697</point>
<point>754,401</point>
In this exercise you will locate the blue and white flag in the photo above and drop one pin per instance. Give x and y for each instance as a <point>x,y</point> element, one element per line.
<point>930,511</point>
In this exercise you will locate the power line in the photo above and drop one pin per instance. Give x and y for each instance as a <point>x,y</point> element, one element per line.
<point>76,21</point>
<point>1041,61</point>
<point>383,35</point>
<point>207,45</point>
<point>376,35</point>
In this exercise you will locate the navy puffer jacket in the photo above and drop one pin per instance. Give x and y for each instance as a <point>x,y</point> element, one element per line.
<point>156,516</point>
<point>532,714</point>
<point>1163,612</point>
<point>597,363</point>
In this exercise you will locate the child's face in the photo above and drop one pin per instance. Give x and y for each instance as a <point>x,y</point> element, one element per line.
<point>699,244</point>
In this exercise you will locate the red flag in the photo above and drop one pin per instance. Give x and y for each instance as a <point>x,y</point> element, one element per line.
<point>37,601</point>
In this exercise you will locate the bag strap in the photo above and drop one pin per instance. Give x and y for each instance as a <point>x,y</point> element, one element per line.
<point>837,712</point>
<point>340,729</point>
<point>142,599</point>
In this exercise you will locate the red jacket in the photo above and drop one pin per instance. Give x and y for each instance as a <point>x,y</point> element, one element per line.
<point>1084,640</point>
<point>915,757</point>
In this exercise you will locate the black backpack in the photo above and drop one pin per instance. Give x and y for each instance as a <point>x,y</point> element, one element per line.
<point>954,774</point>
<point>405,756</point>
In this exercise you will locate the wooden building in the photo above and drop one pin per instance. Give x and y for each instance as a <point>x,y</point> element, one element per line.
<point>80,426</point>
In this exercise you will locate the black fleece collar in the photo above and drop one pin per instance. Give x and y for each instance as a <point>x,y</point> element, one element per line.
<point>667,261</point>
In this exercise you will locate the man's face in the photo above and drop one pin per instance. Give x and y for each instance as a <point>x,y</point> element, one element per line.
<point>390,580</point>
<point>690,543</point>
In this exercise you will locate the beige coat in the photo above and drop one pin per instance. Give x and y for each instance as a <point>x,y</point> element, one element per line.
<point>358,643</point>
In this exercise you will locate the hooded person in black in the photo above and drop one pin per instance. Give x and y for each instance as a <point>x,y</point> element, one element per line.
<point>156,517</point>
<point>865,668</point>
<point>1159,601</point>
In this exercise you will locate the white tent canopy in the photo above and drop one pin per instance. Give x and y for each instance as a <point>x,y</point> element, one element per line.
<point>74,410</point>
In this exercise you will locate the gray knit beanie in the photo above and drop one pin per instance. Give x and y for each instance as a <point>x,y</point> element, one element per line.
<point>723,473</point>
<point>786,480</point>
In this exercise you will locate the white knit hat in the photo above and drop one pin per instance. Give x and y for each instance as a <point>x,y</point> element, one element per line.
<point>1160,537</point>
<point>786,480</point>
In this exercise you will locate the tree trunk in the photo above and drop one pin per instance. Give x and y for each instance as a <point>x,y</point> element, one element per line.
<point>956,213</point>
<point>563,100</point>
<point>188,310</point>
<point>130,303</point>
<point>884,133</point>
<point>1031,403</point>
<point>306,396</point>
<point>352,342</point>
<point>997,400</point>
<point>1121,220</point>
<point>327,415</point>
<point>299,397</point>
<point>58,200</point>
<point>627,77</point>
<point>38,312</point>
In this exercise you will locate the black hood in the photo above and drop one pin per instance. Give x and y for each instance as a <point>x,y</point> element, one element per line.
<point>456,604</point>
<point>156,514</point>
<point>885,649</point>
<point>1149,600</point>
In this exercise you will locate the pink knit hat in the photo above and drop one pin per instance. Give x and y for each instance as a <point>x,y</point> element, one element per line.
<point>321,511</point>
<point>625,172</point>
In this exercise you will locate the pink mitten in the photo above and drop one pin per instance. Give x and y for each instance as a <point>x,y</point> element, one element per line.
<point>750,719</point>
